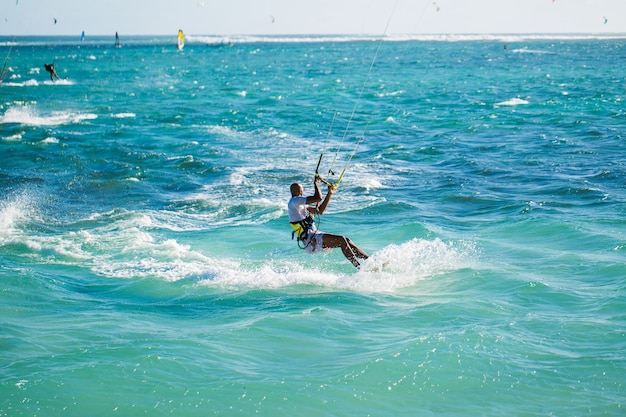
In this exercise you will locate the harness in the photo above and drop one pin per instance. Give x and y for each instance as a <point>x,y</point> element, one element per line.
<point>301,230</point>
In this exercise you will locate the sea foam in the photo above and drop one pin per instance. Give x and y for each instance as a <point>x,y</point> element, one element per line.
<point>29,116</point>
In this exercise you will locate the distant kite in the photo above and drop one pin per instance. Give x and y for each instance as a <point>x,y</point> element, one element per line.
<point>437,8</point>
<point>55,20</point>
<point>273,18</point>
<point>605,20</point>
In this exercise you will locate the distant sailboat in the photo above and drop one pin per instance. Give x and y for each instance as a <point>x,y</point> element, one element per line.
<point>82,36</point>
<point>181,40</point>
<point>117,41</point>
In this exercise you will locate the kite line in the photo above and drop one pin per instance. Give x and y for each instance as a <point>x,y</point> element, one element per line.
<point>354,109</point>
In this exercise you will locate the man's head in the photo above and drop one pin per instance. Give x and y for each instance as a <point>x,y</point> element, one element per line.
<point>296,189</point>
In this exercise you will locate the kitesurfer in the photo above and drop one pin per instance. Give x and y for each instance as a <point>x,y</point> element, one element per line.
<point>301,210</point>
<point>53,72</point>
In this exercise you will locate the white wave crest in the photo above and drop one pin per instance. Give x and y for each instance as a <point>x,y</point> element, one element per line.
<point>28,116</point>
<point>124,115</point>
<point>513,102</point>
<point>15,210</point>
<point>63,81</point>
<point>393,268</point>
<point>445,37</point>
<point>399,266</point>
<point>138,245</point>
<point>27,83</point>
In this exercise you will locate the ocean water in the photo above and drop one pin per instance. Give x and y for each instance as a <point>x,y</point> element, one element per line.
<point>146,260</point>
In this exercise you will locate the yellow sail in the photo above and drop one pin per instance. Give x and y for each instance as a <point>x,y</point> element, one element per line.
<point>181,39</point>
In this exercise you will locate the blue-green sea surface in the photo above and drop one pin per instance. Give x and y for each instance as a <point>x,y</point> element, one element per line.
<point>146,260</point>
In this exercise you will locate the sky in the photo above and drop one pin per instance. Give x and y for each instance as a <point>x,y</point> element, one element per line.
<point>303,17</point>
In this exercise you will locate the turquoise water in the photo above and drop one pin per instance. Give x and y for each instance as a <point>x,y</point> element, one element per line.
<point>146,259</point>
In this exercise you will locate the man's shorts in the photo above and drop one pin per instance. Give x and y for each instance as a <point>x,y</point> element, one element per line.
<point>313,242</point>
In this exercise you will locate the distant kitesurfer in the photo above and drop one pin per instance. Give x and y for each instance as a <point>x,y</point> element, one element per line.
<point>301,210</point>
<point>53,72</point>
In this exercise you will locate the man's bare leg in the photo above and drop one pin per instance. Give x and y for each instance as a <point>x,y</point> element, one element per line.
<point>349,249</point>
